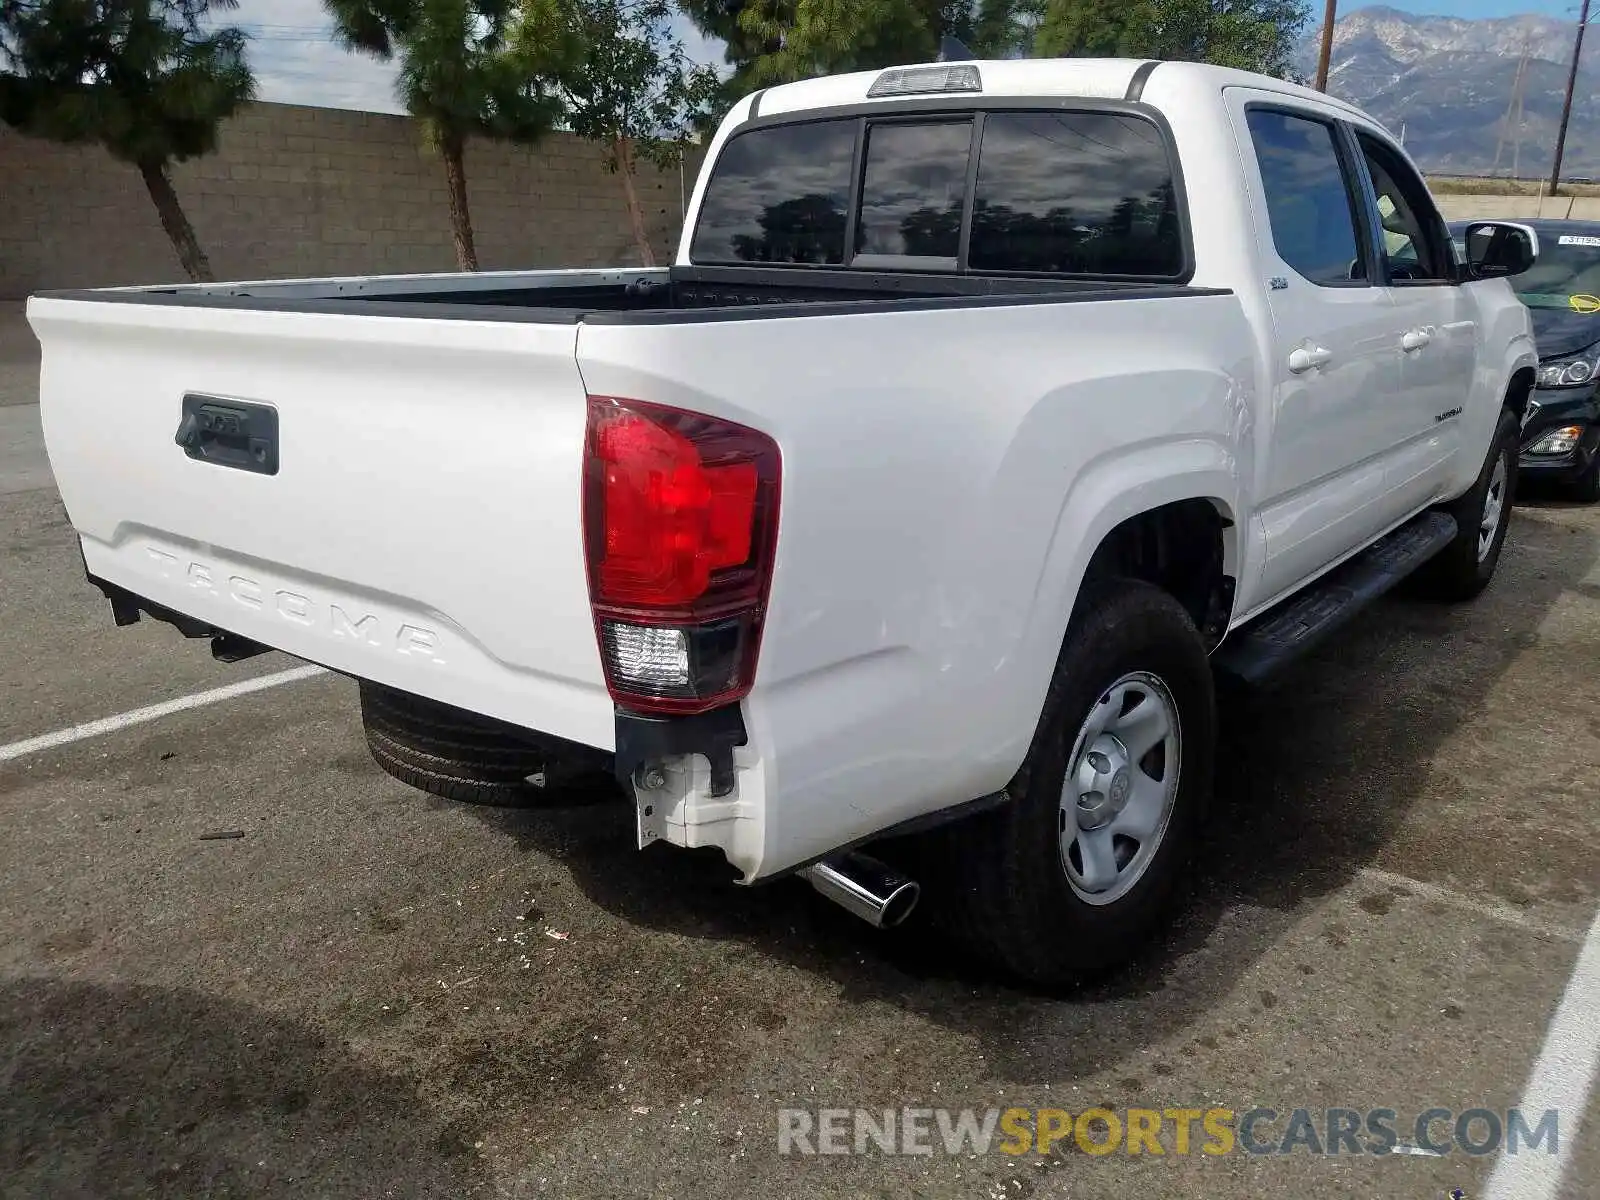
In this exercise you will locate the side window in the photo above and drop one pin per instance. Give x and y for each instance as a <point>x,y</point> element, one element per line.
<point>1309,201</point>
<point>1416,249</point>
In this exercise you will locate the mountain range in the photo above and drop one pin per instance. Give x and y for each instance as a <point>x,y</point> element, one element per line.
<point>1449,84</point>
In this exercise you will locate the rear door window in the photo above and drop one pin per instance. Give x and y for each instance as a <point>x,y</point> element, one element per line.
<point>1075,193</point>
<point>779,195</point>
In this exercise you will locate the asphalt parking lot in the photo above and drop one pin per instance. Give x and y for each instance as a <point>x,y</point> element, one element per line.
<point>371,993</point>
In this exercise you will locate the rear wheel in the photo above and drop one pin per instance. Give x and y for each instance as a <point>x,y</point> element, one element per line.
<point>460,755</point>
<point>1078,868</point>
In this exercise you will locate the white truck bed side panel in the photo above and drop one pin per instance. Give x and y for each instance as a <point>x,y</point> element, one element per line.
<point>945,475</point>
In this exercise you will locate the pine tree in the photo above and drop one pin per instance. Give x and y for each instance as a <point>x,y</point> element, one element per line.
<point>468,68</point>
<point>139,77</point>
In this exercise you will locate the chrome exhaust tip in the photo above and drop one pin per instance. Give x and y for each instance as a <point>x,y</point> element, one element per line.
<point>872,890</point>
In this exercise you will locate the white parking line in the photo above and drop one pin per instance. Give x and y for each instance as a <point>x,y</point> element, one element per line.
<point>153,712</point>
<point>1489,907</point>
<point>1561,1080</point>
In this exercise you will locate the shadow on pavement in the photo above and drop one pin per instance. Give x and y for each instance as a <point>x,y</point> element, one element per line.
<point>109,1090</point>
<point>1315,778</point>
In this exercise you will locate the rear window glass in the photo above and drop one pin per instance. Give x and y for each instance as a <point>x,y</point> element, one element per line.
<point>779,195</point>
<point>1074,193</point>
<point>1080,193</point>
<point>913,188</point>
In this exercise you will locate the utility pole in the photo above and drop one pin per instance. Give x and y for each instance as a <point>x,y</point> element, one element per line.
<point>1326,51</point>
<point>1566,105</point>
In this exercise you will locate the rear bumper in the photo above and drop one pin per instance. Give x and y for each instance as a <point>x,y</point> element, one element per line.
<point>695,779</point>
<point>704,781</point>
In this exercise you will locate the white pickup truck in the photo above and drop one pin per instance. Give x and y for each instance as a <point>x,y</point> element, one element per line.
<point>989,415</point>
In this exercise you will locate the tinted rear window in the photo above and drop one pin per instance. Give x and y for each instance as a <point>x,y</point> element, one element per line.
<point>912,190</point>
<point>779,195</point>
<point>1079,193</point>
<point>1076,193</point>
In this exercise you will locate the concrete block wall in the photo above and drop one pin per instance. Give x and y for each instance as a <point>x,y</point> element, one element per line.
<point>314,191</point>
<point>1562,208</point>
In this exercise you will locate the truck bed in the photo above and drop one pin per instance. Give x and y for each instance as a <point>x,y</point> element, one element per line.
<point>642,296</point>
<point>393,485</point>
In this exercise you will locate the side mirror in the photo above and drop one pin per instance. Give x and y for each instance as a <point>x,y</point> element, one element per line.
<point>1497,249</point>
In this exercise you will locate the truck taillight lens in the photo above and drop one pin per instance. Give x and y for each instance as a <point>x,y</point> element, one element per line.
<point>680,526</point>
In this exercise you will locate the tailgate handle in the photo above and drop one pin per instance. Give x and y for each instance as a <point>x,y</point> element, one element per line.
<point>229,433</point>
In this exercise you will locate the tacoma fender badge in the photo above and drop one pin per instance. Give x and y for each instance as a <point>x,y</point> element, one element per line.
<point>1448,413</point>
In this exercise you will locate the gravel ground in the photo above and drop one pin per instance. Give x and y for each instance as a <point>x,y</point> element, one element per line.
<point>371,993</point>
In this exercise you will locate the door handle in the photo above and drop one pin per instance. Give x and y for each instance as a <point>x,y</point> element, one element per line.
<point>1415,339</point>
<point>1302,359</point>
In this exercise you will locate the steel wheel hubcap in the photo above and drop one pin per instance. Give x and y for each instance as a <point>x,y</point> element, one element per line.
<point>1494,503</point>
<point>1120,787</point>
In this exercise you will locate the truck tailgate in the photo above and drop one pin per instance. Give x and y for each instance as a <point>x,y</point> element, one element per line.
<point>423,527</point>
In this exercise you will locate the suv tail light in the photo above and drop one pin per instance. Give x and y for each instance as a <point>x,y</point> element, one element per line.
<point>680,520</point>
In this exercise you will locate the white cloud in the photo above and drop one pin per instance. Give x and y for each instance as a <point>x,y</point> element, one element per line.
<point>296,60</point>
<point>701,49</point>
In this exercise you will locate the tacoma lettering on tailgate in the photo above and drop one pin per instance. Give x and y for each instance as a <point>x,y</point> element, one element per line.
<point>297,608</point>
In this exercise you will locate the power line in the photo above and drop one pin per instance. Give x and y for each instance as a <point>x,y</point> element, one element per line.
<point>1511,124</point>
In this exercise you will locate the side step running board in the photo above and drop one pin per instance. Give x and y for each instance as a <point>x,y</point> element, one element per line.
<point>1277,638</point>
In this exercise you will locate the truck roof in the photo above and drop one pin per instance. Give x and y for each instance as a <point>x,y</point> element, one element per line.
<point>1095,78</point>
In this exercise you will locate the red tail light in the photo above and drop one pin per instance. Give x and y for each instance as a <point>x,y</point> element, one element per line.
<point>680,526</point>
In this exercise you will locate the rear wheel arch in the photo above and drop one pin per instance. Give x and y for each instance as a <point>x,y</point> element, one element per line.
<point>1188,548</point>
<point>1118,500</point>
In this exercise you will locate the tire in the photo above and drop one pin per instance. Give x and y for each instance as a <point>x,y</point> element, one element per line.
<point>448,752</point>
<point>1006,894</point>
<point>1464,568</point>
<point>1585,489</point>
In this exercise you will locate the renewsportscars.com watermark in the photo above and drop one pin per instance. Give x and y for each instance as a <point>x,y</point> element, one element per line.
<point>1164,1131</point>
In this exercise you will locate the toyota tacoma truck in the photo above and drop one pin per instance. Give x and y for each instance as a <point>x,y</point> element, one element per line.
<point>988,419</point>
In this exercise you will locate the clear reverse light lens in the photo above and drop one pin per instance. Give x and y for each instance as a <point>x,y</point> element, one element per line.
<point>649,659</point>
<point>916,81</point>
